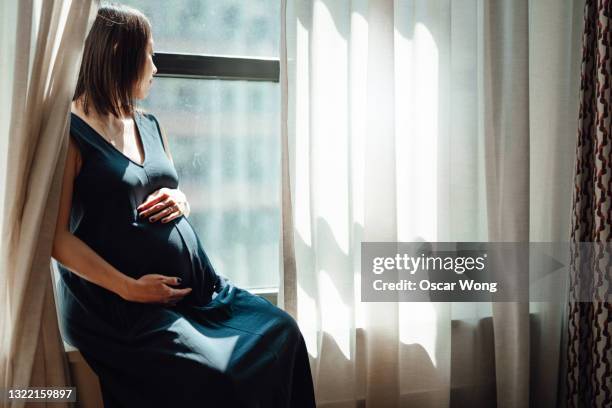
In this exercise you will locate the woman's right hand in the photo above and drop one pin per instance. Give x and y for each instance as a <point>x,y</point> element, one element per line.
<point>154,288</point>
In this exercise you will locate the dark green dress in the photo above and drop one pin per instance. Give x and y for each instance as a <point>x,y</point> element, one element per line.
<point>220,346</point>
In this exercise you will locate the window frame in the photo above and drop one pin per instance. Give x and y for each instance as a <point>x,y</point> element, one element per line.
<point>202,66</point>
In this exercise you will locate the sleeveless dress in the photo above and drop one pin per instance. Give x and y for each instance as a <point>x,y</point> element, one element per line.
<point>220,346</point>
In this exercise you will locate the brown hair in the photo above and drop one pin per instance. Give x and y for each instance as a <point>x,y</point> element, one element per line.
<point>113,60</point>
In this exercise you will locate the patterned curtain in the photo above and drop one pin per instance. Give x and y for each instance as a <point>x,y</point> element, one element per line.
<point>589,352</point>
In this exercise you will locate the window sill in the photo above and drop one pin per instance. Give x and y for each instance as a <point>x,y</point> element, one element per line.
<point>270,294</point>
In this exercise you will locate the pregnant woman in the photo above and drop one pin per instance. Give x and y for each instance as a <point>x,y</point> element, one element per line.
<point>137,295</point>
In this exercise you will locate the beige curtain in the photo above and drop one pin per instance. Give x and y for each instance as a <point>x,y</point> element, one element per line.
<point>442,120</point>
<point>506,134</point>
<point>42,47</point>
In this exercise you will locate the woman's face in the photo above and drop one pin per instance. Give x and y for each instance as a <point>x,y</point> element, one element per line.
<point>144,85</point>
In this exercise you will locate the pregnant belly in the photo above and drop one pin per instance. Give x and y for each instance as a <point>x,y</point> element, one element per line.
<point>140,248</point>
<point>168,249</point>
<point>174,249</point>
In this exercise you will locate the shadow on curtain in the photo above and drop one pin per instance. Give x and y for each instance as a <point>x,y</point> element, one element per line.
<point>424,120</point>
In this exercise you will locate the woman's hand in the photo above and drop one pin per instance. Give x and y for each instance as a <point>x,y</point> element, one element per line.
<point>169,203</point>
<point>154,288</point>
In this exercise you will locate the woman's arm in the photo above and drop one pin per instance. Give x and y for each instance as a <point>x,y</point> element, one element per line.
<point>70,250</point>
<point>77,256</point>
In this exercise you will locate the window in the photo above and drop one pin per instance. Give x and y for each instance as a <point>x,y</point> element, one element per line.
<point>214,27</point>
<point>218,98</point>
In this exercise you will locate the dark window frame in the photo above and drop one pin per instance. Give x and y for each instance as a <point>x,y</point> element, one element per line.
<point>200,66</point>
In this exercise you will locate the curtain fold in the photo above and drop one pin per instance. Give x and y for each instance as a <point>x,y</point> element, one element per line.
<point>555,59</point>
<point>506,135</point>
<point>414,120</point>
<point>589,347</point>
<point>287,281</point>
<point>46,52</point>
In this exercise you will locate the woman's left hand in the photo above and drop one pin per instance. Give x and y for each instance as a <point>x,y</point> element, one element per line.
<point>169,203</point>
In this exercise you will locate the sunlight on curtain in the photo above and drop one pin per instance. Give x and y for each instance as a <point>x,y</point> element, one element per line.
<point>329,125</point>
<point>417,73</point>
<point>386,131</point>
<point>302,139</point>
<point>336,320</point>
<point>8,15</point>
<point>417,132</point>
<point>308,321</point>
<point>335,117</point>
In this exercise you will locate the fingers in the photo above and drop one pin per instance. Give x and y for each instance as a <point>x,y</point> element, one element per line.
<point>165,202</point>
<point>170,209</point>
<point>170,212</point>
<point>175,213</point>
<point>153,199</point>
<point>158,207</point>
<point>168,280</point>
<point>176,295</point>
<point>156,276</point>
<point>171,280</point>
<point>157,288</point>
<point>179,293</point>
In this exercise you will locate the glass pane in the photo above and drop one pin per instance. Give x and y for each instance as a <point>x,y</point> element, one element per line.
<point>224,139</point>
<point>217,27</point>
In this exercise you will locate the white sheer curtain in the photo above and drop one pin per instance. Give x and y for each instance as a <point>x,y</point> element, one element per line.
<point>424,119</point>
<point>41,49</point>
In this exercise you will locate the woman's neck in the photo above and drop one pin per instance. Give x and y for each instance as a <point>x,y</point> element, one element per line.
<point>107,119</point>
<point>111,125</point>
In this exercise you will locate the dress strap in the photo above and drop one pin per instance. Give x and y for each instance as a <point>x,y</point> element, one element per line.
<point>151,127</point>
<point>81,134</point>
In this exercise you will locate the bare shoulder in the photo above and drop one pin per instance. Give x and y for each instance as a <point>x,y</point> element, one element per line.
<point>73,148</point>
<point>78,162</point>
<point>71,170</point>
